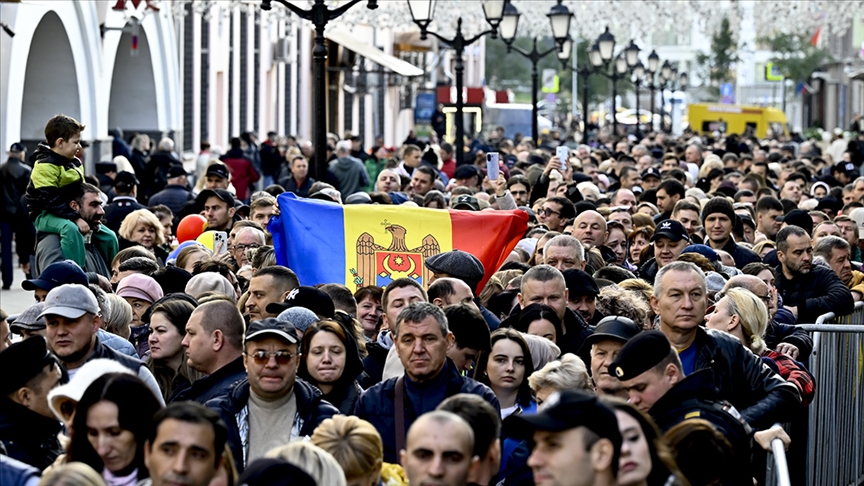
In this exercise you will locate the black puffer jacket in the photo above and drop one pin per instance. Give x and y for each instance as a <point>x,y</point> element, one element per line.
<point>818,292</point>
<point>28,436</point>
<point>14,176</point>
<point>311,411</point>
<point>648,271</point>
<point>741,378</point>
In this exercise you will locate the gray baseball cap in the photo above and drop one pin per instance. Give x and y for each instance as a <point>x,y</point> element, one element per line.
<point>70,301</point>
<point>29,319</point>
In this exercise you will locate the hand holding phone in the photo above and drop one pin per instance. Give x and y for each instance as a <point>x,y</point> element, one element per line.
<point>492,166</point>
<point>563,154</point>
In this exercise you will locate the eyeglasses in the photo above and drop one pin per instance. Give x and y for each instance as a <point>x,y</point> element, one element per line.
<point>250,246</point>
<point>549,212</point>
<point>263,357</point>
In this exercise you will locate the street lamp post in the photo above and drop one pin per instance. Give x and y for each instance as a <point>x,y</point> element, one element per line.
<point>584,73</point>
<point>601,54</point>
<point>319,14</point>
<point>559,17</point>
<point>638,73</point>
<point>653,64</point>
<point>421,14</point>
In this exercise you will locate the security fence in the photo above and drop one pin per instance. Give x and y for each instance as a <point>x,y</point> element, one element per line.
<point>835,450</point>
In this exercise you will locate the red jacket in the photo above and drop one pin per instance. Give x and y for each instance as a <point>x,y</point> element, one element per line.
<point>243,173</point>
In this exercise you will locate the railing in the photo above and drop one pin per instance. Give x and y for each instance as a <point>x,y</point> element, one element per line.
<point>778,471</point>
<point>835,453</point>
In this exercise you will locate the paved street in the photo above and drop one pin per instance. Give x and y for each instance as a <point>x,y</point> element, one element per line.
<point>16,299</point>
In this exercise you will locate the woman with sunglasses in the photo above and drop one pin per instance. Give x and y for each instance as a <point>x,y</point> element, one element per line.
<point>332,363</point>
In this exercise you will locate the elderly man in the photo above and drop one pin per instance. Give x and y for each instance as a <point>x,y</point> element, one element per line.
<point>246,239</point>
<point>609,337</point>
<point>849,229</point>
<point>271,407</point>
<point>28,427</point>
<point>590,229</point>
<point>835,252</point>
<point>624,197</point>
<point>72,319</point>
<point>421,337</point>
<point>546,285</point>
<point>439,450</point>
<point>564,252</point>
<point>680,300</point>
<point>808,290</point>
<point>575,441</point>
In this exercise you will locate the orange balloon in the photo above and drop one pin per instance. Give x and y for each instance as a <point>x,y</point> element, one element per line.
<point>191,227</point>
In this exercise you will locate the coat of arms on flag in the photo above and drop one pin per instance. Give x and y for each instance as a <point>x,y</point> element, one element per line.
<point>377,265</point>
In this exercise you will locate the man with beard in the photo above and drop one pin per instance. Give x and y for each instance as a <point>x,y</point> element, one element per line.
<point>808,291</point>
<point>89,207</point>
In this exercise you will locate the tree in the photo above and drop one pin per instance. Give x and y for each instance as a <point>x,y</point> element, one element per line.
<point>716,66</point>
<point>795,56</point>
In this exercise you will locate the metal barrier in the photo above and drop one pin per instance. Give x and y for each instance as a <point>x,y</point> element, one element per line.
<point>835,454</point>
<point>778,471</point>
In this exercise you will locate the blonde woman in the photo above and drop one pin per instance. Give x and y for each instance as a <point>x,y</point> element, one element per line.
<point>744,315</point>
<point>567,373</point>
<point>72,474</point>
<point>357,447</point>
<point>142,227</point>
<point>119,316</point>
<point>313,460</point>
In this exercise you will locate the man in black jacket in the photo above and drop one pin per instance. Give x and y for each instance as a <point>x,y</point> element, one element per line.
<point>28,428</point>
<point>176,194</point>
<point>718,219</point>
<point>126,190</point>
<point>680,299</point>
<point>808,290</point>
<point>214,346</point>
<point>422,337</point>
<point>272,407</point>
<point>14,176</point>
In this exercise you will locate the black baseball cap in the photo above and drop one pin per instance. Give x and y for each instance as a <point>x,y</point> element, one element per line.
<point>465,201</point>
<point>671,229</point>
<point>221,194</point>
<point>311,298</point>
<point>847,168</point>
<point>125,178</point>
<point>563,411</point>
<point>619,328</point>
<point>651,172</point>
<point>219,170</point>
<point>55,275</point>
<point>28,358</point>
<point>271,327</point>
<point>580,283</point>
<point>17,147</point>
<point>641,353</point>
<point>176,171</point>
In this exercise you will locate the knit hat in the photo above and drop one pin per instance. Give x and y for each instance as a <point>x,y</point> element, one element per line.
<point>458,264</point>
<point>210,281</point>
<point>140,286</point>
<point>300,317</point>
<point>63,399</point>
<point>718,205</point>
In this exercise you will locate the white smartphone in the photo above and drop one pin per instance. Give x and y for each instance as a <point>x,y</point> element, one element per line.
<point>492,166</point>
<point>220,242</point>
<point>563,154</point>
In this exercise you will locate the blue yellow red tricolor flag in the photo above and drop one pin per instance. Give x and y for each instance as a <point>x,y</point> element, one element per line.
<point>363,245</point>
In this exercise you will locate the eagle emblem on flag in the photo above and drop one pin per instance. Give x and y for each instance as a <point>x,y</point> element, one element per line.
<point>377,265</point>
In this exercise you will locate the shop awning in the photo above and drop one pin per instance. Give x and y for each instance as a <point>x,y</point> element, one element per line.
<point>372,53</point>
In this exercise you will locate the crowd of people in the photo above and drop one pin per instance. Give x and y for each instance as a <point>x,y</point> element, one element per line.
<point>642,332</point>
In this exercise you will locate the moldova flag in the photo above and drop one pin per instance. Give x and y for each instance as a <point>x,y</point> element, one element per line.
<point>362,245</point>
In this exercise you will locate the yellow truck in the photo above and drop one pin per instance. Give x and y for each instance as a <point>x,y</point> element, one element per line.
<point>755,120</point>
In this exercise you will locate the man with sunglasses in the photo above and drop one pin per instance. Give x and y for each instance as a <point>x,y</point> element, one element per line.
<point>555,212</point>
<point>272,407</point>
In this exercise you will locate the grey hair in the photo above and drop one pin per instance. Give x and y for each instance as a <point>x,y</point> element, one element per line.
<point>677,266</point>
<point>102,300</point>
<point>567,241</point>
<point>343,146</point>
<point>567,373</point>
<point>417,312</point>
<point>166,144</point>
<point>260,234</point>
<point>542,273</point>
<point>826,246</point>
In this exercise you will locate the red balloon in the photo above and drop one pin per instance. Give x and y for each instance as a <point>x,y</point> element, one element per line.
<point>191,227</point>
